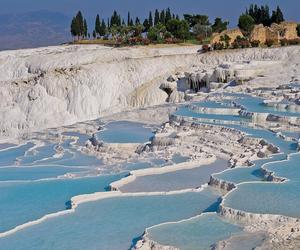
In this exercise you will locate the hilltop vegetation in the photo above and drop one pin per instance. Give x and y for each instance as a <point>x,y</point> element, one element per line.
<point>165,27</point>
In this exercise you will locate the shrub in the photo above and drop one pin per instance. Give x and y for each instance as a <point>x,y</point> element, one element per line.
<point>284,42</point>
<point>270,42</point>
<point>241,42</point>
<point>226,39</point>
<point>218,46</point>
<point>146,41</point>
<point>255,43</point>
<point>172,40</point>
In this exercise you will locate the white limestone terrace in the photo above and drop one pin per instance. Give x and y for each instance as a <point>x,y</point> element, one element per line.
<point>56,86</point>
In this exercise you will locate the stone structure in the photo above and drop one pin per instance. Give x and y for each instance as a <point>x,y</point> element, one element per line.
<point>262,34</point>
<point>232,33</point>
<point>284,30</point>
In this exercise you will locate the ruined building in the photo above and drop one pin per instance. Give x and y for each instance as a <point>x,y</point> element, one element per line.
<point>284,30</point>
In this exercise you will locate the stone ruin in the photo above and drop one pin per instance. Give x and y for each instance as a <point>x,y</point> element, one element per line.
<point>261,33</point>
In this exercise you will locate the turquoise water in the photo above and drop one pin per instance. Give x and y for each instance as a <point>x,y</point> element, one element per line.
<point>112,223</point>
<point>178,180</point>
<point>116,223</point>
<point>125,132</point>
<point>185,111</point>
<point>214,104</point>
<point>22,202</point>
<point>21,173</point>
<point>198,233</point>
<point>246,174</point>
<point>9,156</point>
<point>266,198</point>
<point>256,105</point>
<point>288,169</point>
<point>37,154</point>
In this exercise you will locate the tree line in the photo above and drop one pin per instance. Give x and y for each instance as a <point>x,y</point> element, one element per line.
<point>159,26</point>
<point>259,15</point>
<point>165,26</point>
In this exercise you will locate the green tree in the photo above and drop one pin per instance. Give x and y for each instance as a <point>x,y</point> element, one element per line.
<point>150,19</point>
<point>138,30</point>
<point>74,28</point>
<point>94,34</point>
<point>147,25</point>
<point>246,24</point>
<point>157,33</point>
<point>115,19</point>
<point>219,25</point>
<point>277,16</point>
<point>261,15</point>
<point>80,23</point>
<point>168,15</point>
<point>77,26</point>
<point>178,28</point>
<point>202,32</point>
<point>85,29</point>
<point>156,17</point>
<point>194,19</point>
<point>102,31</point>
<point>162,17</point>
<point>128,19</point>
<point>226,39</point>
<point>137,21</point>
<point>97,25</point>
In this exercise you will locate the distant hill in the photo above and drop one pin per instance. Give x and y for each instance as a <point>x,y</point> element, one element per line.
<point>33,29</point>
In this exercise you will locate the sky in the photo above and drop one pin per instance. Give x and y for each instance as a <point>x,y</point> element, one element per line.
<point>227,9</point>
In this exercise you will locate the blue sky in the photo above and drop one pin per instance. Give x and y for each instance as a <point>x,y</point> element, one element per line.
<point>229,9</point>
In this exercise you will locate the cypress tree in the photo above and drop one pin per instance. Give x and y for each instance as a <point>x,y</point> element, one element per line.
<point>97,25</point>
<point>74,27</point>
<point>128,19</point>
<point>131,22</point>
<point>85,29</point>
<point>168,15</point>
<point>80,23</point>
<point>115,19</point>
<point>162,17</point>
<point>119,20</point>
<point>78,26</point>
<point>277,16</point>
<point>156,17</point>
<point>137,21</point>
<point>94,34</point>
<point>102,28</point>
<point>146,25</point>
<point>150,19</point>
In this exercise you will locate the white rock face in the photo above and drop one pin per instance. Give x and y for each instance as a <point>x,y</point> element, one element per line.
<point>55,86</point>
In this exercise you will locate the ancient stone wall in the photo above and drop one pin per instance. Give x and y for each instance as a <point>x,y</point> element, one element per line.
<point>286,30</point>
<point>258,34</point>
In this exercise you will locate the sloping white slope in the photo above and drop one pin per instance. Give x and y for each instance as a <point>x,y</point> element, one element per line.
<point>54,86</point>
